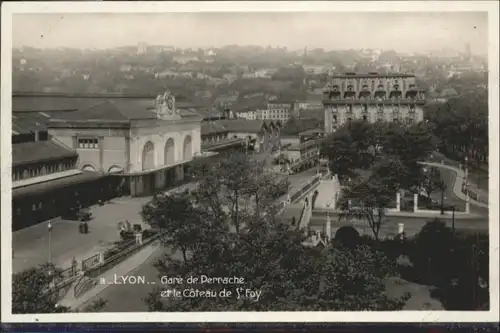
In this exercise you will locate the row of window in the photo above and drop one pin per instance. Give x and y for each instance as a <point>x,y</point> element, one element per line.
<point>410,97</point>
<point>88,143</point>
<point>364,109</point>
<point>379,118</point>
<point>49,168</point>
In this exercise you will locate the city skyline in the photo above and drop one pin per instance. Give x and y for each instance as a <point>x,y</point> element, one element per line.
<point>401,31</point>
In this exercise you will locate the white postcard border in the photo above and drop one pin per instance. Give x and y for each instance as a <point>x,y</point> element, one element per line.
<point>8,9</point>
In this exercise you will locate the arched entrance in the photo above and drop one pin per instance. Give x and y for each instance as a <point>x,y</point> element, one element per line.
<point>169,152</point>
<point>88,167</point>
<point>148,156</point>
<point>187,148</point>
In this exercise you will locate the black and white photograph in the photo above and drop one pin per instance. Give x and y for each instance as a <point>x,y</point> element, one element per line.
<point>228,160</point>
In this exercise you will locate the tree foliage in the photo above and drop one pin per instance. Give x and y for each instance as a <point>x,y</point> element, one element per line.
<point>367,199</point>
<point>30,290</point>
<point>457,265</point>
<point>360,145</point>
<point>462,126</point>
<point>33,292</point>
<point>268,253</point>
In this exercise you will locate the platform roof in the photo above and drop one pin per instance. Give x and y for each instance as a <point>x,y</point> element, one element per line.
<point>39,151</point>
<point>44,187</point>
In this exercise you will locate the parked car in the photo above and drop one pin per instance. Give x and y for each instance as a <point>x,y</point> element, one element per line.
<point>84,215</point>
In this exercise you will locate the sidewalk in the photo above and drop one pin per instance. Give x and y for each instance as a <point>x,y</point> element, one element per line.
<point>31,245</point>
<point>457,186</point>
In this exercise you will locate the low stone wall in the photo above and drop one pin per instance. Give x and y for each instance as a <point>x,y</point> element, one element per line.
<point>438,212</point>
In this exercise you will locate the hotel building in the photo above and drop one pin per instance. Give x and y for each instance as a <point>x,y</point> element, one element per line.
<point>372,97</point>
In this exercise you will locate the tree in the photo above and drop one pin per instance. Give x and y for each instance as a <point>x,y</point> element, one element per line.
<point>30,290</point>
<point>441,185</point>
<point>33,292</point>
<point>173,215</point>
<point>367,199</point>
<point>268,253</point>
<point>457,265</point>
<point>432,181</point>
<point>342,155</point>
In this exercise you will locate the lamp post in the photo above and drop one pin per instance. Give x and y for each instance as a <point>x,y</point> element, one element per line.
<point>317,170</point>
<point>49,227</point>
<point>453,220</point>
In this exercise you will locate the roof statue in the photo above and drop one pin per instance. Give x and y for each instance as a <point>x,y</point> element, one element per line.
<point>165,106</point>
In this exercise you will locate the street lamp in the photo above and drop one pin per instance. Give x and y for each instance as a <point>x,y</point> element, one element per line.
<point>453,219</point>
<point>318,163</point>
<point>49,227</point>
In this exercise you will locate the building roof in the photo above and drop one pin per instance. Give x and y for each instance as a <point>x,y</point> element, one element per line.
<point>26,123</point>
<point>312,132</point>
<point>448,92</point>
<point>110,110</point>
<point>280,102</point>
<point>212,127</point>
<point>294,126</point>
<point>54,184</point>
<point>246,126</point>
<point>302,145</point>
<point>316,113</point>
<point>371,74</point>
<point>38,151</point>
<point>214,146</point>
<point>58,102</point>
<point>208,113</point>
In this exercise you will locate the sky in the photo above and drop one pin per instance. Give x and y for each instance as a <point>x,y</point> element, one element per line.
<point>403,31</point>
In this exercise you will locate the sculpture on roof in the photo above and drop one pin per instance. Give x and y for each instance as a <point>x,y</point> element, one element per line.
<point>165,105</point>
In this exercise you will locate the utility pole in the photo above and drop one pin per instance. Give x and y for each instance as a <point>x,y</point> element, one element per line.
<point>453,221</point>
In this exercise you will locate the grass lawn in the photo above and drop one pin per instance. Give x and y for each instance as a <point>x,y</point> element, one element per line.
<point>420,295</point>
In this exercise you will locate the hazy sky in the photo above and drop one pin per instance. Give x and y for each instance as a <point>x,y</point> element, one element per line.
<point>404,32</point>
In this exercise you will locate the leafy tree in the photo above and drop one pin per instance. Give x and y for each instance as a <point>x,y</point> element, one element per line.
<point>269,254</point>
<point>173,215</point>
<point>342,155</point>
<point>30,290</point>
<point>456,265</point>
<point>432,181</point>
<point>367,199</point>
<point>33,292</point>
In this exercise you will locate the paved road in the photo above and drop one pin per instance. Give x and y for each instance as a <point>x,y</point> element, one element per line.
<point>449,177</point>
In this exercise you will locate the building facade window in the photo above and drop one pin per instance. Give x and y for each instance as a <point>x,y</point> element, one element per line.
<point>88,143</point>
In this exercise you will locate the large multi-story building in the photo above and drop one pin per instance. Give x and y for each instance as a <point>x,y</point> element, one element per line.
<point>276,110</point>
<point>372,97</point>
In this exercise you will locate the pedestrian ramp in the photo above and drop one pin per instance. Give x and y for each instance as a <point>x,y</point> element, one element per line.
<point>328,193</point>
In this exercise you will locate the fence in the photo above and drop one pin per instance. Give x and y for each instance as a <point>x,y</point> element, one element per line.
<point>91,262</point>
<point>69,272</point>
<point>304,189</point>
